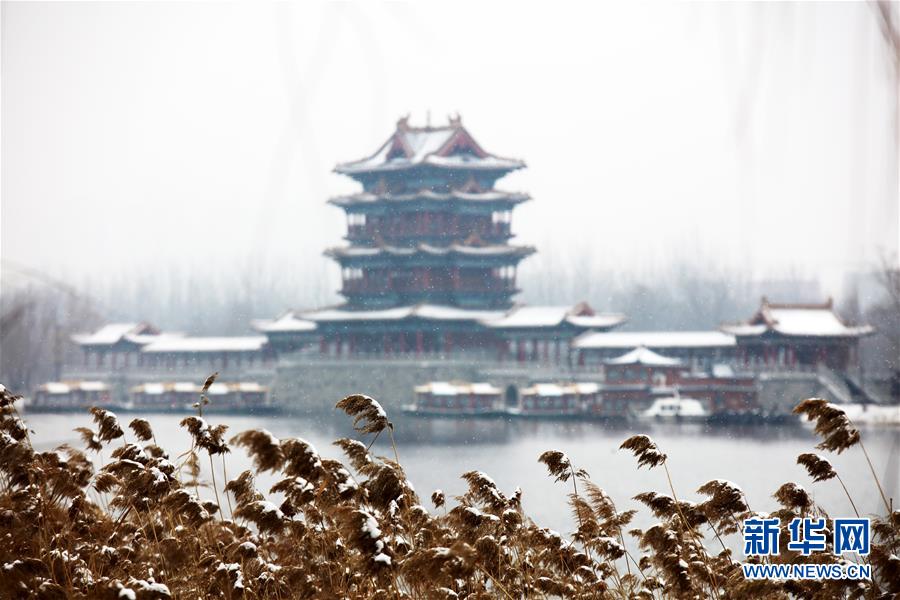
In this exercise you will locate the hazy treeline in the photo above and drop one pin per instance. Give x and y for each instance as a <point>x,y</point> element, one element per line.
<point>40,314</point>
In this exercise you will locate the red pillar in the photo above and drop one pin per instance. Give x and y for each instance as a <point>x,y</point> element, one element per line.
<point>520,350</point>
<point>420,343</point>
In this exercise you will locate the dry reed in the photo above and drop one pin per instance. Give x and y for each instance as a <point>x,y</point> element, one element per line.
<point>138,528</point>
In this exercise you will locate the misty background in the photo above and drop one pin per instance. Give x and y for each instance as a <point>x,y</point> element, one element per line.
<point>171,162</point>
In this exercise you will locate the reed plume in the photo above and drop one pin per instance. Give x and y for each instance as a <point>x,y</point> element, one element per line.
<point>127,526</point>
<point>645,450</point>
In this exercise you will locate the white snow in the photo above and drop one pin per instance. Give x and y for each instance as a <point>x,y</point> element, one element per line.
<point>158,476</point>
<point>797,320</point>
<point>544,389</point>
<point>475,511</point>
<point>311,451</point>
<point>150,586</point>
<point>107,335</point>
<point>808,321</point>
<point>370,526</point>
<point>248,386</point>
<point>207,344</point>
<point>601,321</point>
<point>585,388</point>
<point>65,387</point>
<point>268,508</point>
<point>654,339</point>
<point>533,317</point>
<point>644,356</point>
<point>288,322</point>
<point>378,407</point>
<point>93,386</point>
<point>487,196</point>
<point>496,250</point>
<point>56,388</point>
<point>181,387</point>
<point>218,389</point>
<point>729,484</point>
<point>422,146</point>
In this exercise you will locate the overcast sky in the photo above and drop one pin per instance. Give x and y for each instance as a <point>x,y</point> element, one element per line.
<point>745,135</point>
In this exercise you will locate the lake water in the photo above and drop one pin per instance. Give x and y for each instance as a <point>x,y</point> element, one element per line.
<point>436,452</point>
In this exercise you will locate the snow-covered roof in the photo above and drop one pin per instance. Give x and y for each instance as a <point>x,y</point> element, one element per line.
<point>444,388</point>
<point>250,386</point>
<point>561,389</point>
<point>427,249</point>
<point>722,370</point>
<point>93,386</point>
<point>808,320</point>
<point>450,146</point>
<point>421,311</point>
<point>644,356</point>
<point>520,316</point>
<point>483,388</point>
<point>437,388</point>
<point>600,321</point>
<point>743,329</point>
<point>544,389</point>
<point>532,317</point>
<point>585,388</point>
<point>654,339</point>
<point>185,387</point>
<point>286,323</point>
<point>364,198</point>
<point>207,344</point>
<point>65,387</point>
<point>113,333</point>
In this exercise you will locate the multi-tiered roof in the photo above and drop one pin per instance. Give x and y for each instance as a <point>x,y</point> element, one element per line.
<point>429,226</point>
<point>428,268</point>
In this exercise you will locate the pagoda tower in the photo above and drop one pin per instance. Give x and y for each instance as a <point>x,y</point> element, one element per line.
<point>429,226</point>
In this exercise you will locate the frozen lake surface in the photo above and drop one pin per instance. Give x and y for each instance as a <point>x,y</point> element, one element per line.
<point>436,452</point>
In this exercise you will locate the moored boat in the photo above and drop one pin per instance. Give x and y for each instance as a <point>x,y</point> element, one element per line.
<point>675,408</point>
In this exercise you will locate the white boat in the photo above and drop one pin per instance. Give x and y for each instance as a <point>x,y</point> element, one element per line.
<point>675,409</point>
